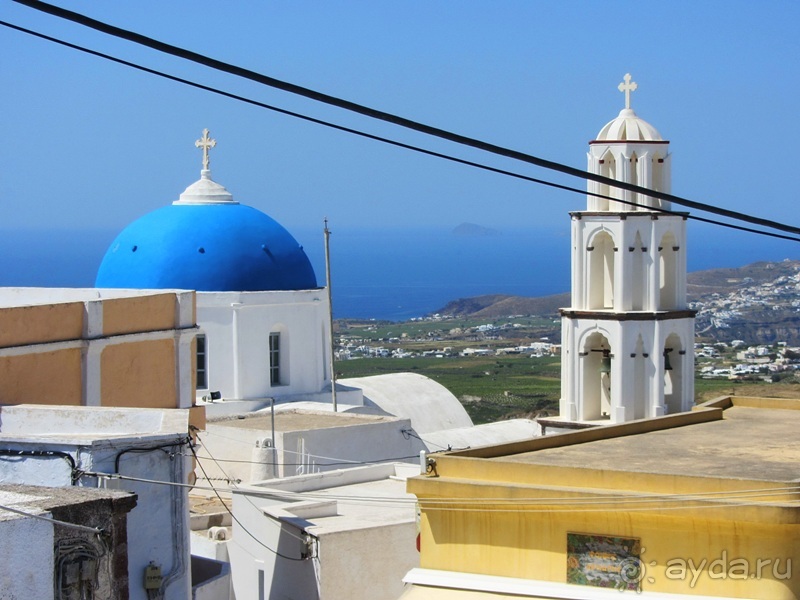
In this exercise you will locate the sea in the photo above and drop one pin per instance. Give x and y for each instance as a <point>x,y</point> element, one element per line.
<point>394,274</point>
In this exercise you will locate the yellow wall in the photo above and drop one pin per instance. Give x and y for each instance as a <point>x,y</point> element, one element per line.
<point>139,374</point>
<point>42,378</point>
<point>533,545</point>
<point>22,325</point>
<point>486,523</point>
<point>139,313</point>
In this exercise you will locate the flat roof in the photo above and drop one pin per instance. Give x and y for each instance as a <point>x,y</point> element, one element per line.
<point>362,505</point>
<point>37,499</point>
<point>31,296</point>
<point>297,420</point>
<point>364,497</point>
<point>747,443</point>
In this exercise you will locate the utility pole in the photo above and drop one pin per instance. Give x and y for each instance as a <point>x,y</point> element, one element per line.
<point>330,311</point>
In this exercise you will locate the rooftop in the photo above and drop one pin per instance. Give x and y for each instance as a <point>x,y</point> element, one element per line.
<point>342,500</point>
<point>747,442</point>
<point>298,420</point>
<point>86,424</point>
<point>37,500</point>
<point>30,296</point>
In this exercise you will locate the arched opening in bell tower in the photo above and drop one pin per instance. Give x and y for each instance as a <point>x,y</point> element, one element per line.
<point>608,168</point>
<point>634,179</point>
<point>601,272</point>
<point>597,365</point>
<point>668,281</point>
<point>673,374</point>
<point>637,280</point>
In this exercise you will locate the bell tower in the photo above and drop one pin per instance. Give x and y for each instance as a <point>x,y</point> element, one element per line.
<point>628,337</point>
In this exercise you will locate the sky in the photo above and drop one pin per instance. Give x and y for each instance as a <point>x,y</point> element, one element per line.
<point>88,144</point>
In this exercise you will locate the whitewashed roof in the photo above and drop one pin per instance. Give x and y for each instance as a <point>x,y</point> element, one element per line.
<point>428,404</point>
<point>628,127</point>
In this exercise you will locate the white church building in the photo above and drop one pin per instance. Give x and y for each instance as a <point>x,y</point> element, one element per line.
<point>264,324</point>
<point>627,338</point>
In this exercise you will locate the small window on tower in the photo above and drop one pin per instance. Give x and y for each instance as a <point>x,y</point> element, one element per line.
<point>275,358</point>
<point>202,363</point>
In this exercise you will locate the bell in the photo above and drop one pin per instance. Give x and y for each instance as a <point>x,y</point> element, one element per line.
<point>605,364</point>
<point>667,366</point>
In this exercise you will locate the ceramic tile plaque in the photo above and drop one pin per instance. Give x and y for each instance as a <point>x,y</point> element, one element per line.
<point>603,561</point>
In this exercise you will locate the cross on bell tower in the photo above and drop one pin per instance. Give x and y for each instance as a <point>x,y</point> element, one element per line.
<point>627,86</point>
<point>206,143</point>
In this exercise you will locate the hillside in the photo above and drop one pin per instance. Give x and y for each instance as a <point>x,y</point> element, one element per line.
<point>758,303</point>
<point>499,305</point>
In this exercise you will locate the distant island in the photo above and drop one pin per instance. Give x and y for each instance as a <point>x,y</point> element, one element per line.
<point>473,230</point>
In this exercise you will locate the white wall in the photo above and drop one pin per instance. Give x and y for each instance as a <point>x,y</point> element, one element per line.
<point>158,527</point>
<point>359,438</point>
<point>237,327</point>
<point>367,564</point>
<point>27,565</point>
<point>359,551</point>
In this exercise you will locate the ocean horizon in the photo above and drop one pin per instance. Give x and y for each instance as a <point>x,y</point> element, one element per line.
<point>393,274</point>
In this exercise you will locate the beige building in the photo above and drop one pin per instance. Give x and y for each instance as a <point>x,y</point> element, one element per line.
<point>89,347</point>
<point>97,390</point>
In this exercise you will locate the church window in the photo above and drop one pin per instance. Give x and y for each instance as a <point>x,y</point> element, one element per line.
<point>275,358</point>
<point>202,363</point>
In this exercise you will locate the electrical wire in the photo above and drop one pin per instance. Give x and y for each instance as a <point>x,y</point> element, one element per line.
<point>409,433</point>
<point>180,442</point>
<point>327,464</point>
<point>14,453</point>
<point>337,460</point>
<point>247,497</point>
<point>376,114</point>
<point>618,502</point>
<point>238,522</point>
<point>333,125</point>
<point>95,530</point>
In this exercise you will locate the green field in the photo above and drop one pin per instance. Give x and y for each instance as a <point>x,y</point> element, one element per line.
<point>492,388</point>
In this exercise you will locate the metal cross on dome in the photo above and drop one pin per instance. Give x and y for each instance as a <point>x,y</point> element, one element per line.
<point>205,143</point>
<point>627,86</point>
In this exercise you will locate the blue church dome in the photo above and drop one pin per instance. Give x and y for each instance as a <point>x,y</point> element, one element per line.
<point>207,242</point>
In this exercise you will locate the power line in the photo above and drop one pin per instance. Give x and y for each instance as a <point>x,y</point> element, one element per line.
<point>614,502</point>
<point>394,142</point>
<point>350,463</point>
<point>95,530</point>
<point>237,521</point>
<point>336,460</point>
<point>389,117</point>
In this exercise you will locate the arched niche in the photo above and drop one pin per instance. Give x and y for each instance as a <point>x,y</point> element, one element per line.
<point>673,357</point>
<point>634,179</point>
<point>596,383</point>
<point>601,271</point>
<point>608,168</point>
<point>638,278</point>
<point>668,272</point>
